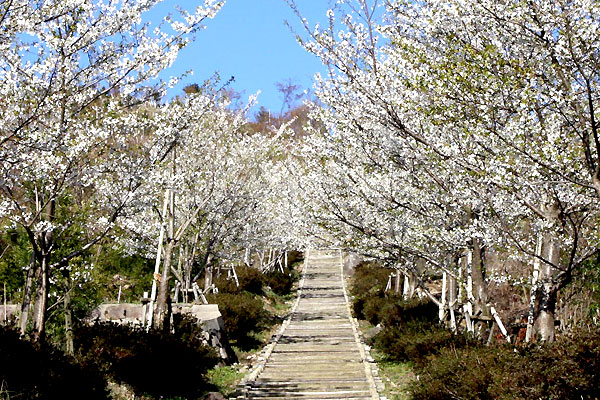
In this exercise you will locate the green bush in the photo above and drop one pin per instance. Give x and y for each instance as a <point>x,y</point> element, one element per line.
<point>29,372</point>
<point>374,309</point>
<point>156,363</point>
<point>280,282</point>
<point>368,283</point>
<point>415,341</point>
<point>243,314</point>
<point>567,369</point>
<point>411,331</point>
<point>400,312</point>
<point>250,280</point>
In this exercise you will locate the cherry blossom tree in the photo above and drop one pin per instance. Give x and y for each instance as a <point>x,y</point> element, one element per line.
<point>71,71</point>
<point>458,125</point>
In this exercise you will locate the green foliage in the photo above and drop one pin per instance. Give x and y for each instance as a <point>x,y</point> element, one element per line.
<point>400,312</point>
<point>410,328</point>
<point>374,308</point>
<point>567,369</point>
<point>368,284</point>
<point>28,372</point>
<point>589,280</point>
<point>225,379</point>
<point>411,331</point>
<point>281,282</point>
<point>115,268</point>
<point>250,280</point>
<point>416,341</point>
<point>15,254</point>
<point>157,363</point>
<point>243,315</point>
<point>253,281</point>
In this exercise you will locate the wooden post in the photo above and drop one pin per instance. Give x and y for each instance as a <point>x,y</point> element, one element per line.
<point>196,291</point>
<point>388,286</point>
<point>119,295</point>
<point>452,318</point>
<point>4,295</point>
<point>176,295</point>
<point>452,281</point>
<point>145,309</point>
<point>406,287</point>
<point>500,324</point>
<point>468,318</point>
<point>156,275</point>
<point>491,335</point>
<point>247,257</point>
<point>237,282</point>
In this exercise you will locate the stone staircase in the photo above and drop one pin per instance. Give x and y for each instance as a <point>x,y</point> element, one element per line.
<point>317,353</point>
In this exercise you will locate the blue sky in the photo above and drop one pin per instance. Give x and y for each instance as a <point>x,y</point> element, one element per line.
<point>249,40</point>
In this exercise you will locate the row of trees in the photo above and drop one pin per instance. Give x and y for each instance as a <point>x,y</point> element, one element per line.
<point>445,132</point>
<point>456,130</point>
<point>91,159</point>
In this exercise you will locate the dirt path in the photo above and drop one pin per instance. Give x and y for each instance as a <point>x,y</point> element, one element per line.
<point>317,353</point>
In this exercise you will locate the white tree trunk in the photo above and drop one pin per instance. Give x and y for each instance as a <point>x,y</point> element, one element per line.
<point>442,312</point>
<point>532,294</point>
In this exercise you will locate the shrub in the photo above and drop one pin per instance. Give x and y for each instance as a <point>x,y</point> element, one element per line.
<point>464,373</point>
<point>411,329</point>
<point>250,280</point>
<point>358,305</point>
<point>280,282</point>
<point>368,282</point>
<point>375,308</point>
<point>416,341</point>
<point>29,372</point>
<point>413,310</point>
<point>369,279</point>
<point>567,369</point>
<point>150,362</point>
<point>243,314</point>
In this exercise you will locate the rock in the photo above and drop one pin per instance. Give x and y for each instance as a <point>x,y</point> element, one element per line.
<point>351,260</point>
<point>9,313</point>
<point>213,396</point>
<point>372,332</point>
<point>123,313</point>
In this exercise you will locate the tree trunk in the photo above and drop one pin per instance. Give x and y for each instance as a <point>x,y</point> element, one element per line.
<point>208,276</point>
<point>544,324</point>
<point>452,301</point>
<point>31,272</point>
<point>41,300</point>
<point>69,347</point>
<point>161,316</point>
<point>479,287</point>
<point>159,250</point>
<point>533,291</point>
<point>442,307</point>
